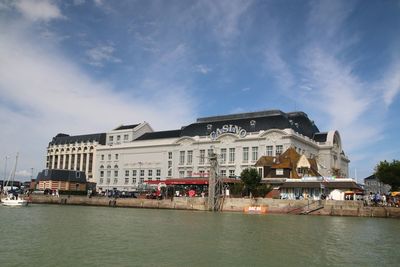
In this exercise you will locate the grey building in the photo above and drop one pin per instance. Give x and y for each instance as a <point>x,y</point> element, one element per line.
<point>373,185</point>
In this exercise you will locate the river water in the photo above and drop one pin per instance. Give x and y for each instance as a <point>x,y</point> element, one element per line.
<point>51,235</point>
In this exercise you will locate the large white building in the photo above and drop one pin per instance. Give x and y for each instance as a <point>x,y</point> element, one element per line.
<point>135,154</point>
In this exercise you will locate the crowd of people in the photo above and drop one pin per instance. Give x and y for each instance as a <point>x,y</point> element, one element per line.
<point>381,200</point>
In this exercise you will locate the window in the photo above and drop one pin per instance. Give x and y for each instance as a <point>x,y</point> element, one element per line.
<point>231,155</point>
<point>108,180</point>
<point>202,156</point>
<point>115,181</point>
<point>254,153</point>
<point>245,154</point>
<point>279,171</point>
<point>181,157</point>
<point>141,172</point>
<point>201,173</point>
<point>102,157</point>
<point>149,179</point>
<point>169,155</point>
<point>158,178</point>
<point>116,156</point>
<point>279,149</point>
<point>158,172</point>
<point>101,181</point>
<point>101,173</point>
<point>134,172</point>
<point>126,173</point>
<point>141,180</point>
<point>126,137</point>
<point>189,173</point>
<point>181,174</point>
<point>118,138</point>
<point>111,138</point>
<point>126,180</point>
<point>115,173</point>
<point>169,172</point>
<point>190,157</point>
<point>133,180</point>
<point>269,151</point>
<point>232,174</point>
<point>109,156</point>
<point>223,173</point>
<point>108,173</point>
<point>223,155</point>
<point>150,172</point>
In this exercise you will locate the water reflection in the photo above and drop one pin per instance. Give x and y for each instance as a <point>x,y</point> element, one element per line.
<point>74,236</point>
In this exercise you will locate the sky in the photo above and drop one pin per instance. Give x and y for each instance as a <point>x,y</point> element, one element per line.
<point>88,66</point>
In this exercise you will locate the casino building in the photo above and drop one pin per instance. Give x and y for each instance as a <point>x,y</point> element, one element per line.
<point>134,154</point>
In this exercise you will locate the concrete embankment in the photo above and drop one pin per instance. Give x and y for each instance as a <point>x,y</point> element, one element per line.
<point>326,207</point>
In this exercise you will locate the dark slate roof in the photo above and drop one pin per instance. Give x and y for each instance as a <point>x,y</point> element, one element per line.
<point>301,185</point>
<point>61,139</point>
<point>125,127</point>
<point>62,175</point>
<point>371,177</point>
<point>264,120</point>
<point>320,137</point>
<point>331,185</point>
<point>160,135</point>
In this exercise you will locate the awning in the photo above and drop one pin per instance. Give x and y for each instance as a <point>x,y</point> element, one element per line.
<point>188,181</point>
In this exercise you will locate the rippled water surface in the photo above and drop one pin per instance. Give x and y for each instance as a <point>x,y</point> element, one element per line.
<point>46,235</point>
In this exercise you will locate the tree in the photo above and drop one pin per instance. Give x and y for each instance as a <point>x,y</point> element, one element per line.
<point>389,173</point>
<point>251,179</point>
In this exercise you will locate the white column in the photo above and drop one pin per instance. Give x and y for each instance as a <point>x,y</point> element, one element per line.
<point>75,159</point>
<point>58,160</point>
<point>53,158</point>
<point>69,161</point>
<point>81,163</point>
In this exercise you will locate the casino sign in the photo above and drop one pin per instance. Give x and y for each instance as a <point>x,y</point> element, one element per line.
<point>234,129</point>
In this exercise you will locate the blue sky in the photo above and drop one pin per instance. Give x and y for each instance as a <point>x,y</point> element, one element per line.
<point>88,66</point>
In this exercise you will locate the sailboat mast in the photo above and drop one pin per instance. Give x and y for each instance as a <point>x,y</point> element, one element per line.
<point>13,172</point>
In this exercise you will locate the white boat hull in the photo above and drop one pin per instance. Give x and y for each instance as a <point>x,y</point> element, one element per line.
<point>14,202</point>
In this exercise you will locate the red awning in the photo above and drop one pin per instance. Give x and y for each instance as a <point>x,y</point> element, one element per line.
<point>188,181</point>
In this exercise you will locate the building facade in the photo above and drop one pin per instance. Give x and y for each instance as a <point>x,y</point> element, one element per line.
<point>240,140</point>
<point>374,186</point>
<point>64,180</point>
<point>77,152</point>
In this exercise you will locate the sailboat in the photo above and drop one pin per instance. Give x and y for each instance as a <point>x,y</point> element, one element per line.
<point>13,199</point>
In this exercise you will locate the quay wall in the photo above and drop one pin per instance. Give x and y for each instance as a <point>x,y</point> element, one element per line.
<point>328,207</point>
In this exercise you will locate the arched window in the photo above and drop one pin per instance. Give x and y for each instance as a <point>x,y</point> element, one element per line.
<point>108,167</point>
<point>101,167</point>
<point>116,167</point>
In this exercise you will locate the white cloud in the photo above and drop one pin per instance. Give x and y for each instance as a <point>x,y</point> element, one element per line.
<point>391,83</point>
<point>225,16</point>
<point>37,10</point>
<point>203,69</point>
<point>98,2</point>
<point>102,54</point>
<point>277,65</point>
<point>23,173</point>
<point>43,93</point>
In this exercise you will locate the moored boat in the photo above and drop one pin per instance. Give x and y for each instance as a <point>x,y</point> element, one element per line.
<point>12,200</point>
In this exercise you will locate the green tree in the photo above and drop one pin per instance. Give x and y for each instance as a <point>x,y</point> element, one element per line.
<point>389,173</point>
<point>251,179</point>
